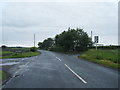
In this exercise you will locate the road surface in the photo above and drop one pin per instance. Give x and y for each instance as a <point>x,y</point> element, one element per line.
<point>57,70</point>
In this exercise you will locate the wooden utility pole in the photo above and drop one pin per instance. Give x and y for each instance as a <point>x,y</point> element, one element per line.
<point>91,35</point>
<point>34,40</point>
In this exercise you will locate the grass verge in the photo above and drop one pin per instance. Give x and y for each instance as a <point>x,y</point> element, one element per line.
<point>105,57</point>
<point>11,52</point>
<point>20,55</point>
<point>3,75</point>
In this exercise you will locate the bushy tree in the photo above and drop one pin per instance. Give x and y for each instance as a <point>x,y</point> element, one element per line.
<point>3,46</point>
<point>33,49</point>
<point>73,40</point>
<point>46,44</point>
<point>40,44</point>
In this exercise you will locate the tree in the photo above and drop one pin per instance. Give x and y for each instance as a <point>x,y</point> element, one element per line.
<point>40,44</point>
<point>73,40</point>
<point>3,46</point>
<point>46,44</point>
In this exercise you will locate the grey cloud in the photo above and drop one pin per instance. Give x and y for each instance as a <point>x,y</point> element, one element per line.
<point>21,20</point>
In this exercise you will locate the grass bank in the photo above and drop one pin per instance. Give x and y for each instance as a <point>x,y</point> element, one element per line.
<point>17,53</point>
<point>108,57</point>
<point>3,75</point>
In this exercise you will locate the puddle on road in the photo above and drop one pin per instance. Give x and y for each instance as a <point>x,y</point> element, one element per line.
<point>9,63</point>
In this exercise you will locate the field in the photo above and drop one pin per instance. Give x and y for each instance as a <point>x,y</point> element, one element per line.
<point>17,53</point>
<point>107,57</point>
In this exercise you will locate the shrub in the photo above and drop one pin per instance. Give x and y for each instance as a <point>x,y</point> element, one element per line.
<point>3,46</point>
<point>33,49</point>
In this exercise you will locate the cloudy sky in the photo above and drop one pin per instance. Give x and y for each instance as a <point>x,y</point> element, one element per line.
<point>20,20</point>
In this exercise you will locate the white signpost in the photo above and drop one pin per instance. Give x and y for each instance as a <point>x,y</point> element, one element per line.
<point>96,40</point>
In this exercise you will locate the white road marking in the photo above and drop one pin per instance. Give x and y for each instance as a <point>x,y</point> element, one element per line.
<point>58,59</point>
<point>16,72</point>
<point>76,74</point>
<point>20,70</point>
<point>27,63</point>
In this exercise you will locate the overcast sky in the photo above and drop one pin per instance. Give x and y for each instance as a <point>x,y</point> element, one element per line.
<point>20,20</point>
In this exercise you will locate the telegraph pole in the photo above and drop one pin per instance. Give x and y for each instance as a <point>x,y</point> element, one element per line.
<point>91,35</point>
<point>34,39</point>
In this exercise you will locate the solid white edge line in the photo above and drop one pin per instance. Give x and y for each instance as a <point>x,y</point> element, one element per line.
<point>75,74</point>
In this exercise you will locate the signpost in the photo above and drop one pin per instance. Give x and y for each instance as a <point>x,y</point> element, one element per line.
<point>96,40</point>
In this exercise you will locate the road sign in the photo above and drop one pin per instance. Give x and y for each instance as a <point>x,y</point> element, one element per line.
<point>96,39</point>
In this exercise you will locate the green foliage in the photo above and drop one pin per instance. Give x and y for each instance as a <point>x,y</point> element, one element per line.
<point>5,52</point>
<point>40,44</point>
<point>58,49</point>
<point>46,44</point>
<point>3,46</point>
<point>33,49</point>
<point>106,47</point>
<point>22,55</point>
<point>73,40</point>
<point>106,57</point>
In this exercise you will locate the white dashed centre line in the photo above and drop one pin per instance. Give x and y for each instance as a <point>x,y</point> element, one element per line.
<point>76,74</point>
<point>58,59</point>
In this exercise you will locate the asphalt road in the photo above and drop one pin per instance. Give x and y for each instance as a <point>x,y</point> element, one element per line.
<point>56,70</point>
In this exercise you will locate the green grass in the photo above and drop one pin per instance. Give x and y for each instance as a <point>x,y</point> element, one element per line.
<point>5,52</point>
<point>11,53</point>
<point>3,75</point>
<point>21,55</point>
<point>104,57</point>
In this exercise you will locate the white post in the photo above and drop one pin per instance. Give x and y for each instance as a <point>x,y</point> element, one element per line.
<point>96,46</point>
